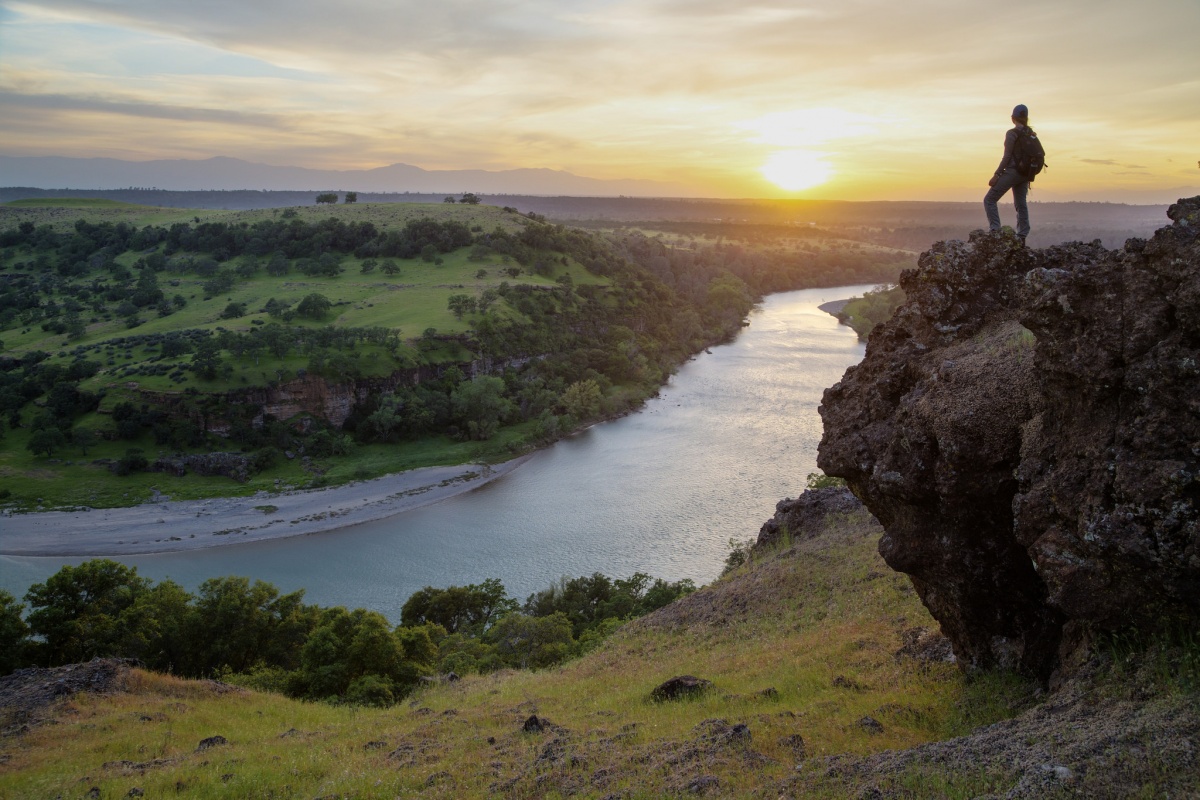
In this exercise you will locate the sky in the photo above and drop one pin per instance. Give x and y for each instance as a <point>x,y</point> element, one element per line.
<point>829,99</point>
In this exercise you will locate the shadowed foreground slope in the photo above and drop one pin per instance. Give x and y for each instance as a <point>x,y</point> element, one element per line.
<point>799,645</point>
<point>825,674</point>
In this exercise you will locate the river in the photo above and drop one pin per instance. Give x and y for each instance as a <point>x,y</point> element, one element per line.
<point>661,491</point>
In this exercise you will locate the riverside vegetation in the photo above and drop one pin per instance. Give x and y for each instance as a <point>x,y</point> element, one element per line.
<point>798,643</point>
<point>828,680</point>
<point>864,313</point>
<point>250,634</point>
<point>287,348</point>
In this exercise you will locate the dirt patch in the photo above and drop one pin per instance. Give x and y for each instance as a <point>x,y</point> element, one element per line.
<point>41,474</point>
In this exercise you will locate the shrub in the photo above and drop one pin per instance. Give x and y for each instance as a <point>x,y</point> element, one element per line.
<point>132,461</point>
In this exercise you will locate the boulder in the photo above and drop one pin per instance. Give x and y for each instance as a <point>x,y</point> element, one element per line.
<point>680,687</point>
<point>805,515</point>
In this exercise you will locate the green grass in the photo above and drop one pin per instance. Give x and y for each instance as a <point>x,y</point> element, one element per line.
<point>70,479</point>
<point>410,302</point>
<point>793,621</point>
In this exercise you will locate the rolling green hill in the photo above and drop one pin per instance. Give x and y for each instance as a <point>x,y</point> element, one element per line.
<point>799,646</point>
<point>364,338</point>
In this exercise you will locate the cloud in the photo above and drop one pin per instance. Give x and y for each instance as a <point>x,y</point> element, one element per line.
<point>1108,162</point>
<point>610,88</point>
<point>58,102</point>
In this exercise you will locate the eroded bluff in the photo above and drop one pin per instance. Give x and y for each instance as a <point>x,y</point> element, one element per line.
<point>1027,430</point>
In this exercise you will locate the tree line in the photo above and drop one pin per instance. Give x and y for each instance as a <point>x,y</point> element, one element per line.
<point>251,633</point>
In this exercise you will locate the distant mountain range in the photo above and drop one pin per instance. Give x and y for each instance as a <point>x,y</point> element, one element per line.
<point>55,172</point>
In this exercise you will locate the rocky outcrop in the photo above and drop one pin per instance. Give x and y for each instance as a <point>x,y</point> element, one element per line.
<point>26,693</point>
<point>229,465</point>
<point>327,400</point>
<point>805,515</point>
<point>312,395</point>
<point>1027,430</point>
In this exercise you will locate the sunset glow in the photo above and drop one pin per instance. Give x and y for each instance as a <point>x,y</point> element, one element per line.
<point>796,170</point>
<point>858,99</point>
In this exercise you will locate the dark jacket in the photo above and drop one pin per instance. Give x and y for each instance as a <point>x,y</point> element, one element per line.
<point>1010,142</point>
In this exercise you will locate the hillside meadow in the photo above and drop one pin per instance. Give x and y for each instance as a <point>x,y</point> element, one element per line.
<point>802,647</point>
<point>141,334</point>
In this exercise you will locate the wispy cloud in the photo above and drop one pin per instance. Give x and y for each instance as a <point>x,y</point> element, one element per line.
<point>100,105</point>
<point>611,88</point>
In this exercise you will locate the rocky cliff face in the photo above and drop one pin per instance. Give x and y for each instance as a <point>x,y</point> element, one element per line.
<point>1027,430</point>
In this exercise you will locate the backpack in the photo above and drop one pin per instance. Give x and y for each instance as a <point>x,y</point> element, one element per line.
<point>1028,155</point>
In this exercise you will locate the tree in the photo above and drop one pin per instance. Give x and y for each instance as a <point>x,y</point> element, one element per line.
<point>582,399</point>
<point>449,200</point>
<point>83,438</point>
<point>461,304</point>
<point>356,655</point>
<point>532,642</point>
<point>328,197</point>
<point>314,306</point>
<point>278,265</point>
<point>470,198</point>
<point>14,633</point>
<point>242,623</point>
<point>351,197</point>
<point>486,298</point>
<point>482,406</point>
<point>458,608</point>
<point>207,360</point>
<point>373,650</point>
<point>728,299</point>
<point>77,610</point>
<point>321,663</point>
<point>75,326</point>
<point>233,311</point>
<point>275,308</point>
<point>390,267</point>
<point>46,441</point>
<point>327,265</point>
<point>158,628</point>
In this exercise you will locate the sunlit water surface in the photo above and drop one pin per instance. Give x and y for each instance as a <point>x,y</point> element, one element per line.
<point>661,491</point>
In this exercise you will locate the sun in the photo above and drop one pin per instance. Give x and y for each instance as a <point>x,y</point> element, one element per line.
<point>794,170</point>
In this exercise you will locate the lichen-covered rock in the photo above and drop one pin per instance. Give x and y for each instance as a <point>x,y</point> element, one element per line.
<point>1027,430</point>
<point>804,516</point>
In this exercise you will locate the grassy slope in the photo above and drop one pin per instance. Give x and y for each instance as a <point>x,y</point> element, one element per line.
<point>794,622</point>
<point>413,300</point>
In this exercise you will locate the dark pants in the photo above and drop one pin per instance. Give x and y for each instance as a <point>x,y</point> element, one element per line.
<point>1009,179</point>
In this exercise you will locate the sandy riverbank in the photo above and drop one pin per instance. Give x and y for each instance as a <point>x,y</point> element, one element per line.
<point>194,524</point>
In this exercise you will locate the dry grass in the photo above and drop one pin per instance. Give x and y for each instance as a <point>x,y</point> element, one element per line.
<point>799,645</point>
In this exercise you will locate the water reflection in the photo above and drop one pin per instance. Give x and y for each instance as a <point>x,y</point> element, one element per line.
<point>661,491</point>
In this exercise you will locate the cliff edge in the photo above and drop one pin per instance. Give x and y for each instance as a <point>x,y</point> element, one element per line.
<point>1026,428</point>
